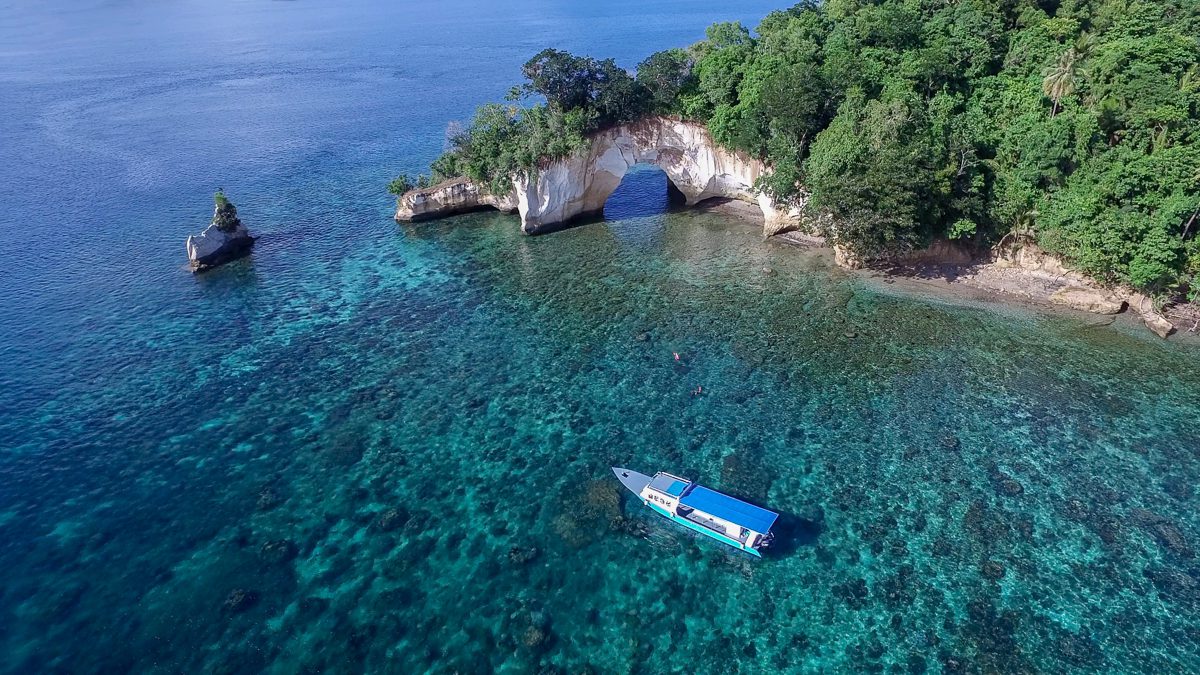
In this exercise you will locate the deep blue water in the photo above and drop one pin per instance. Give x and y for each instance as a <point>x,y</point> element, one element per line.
<point>382,447</point>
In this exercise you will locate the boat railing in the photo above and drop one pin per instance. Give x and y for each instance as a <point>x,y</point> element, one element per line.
<point>712,525</point>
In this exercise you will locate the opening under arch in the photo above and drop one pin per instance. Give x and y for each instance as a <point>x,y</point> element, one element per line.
<point>645,190</point>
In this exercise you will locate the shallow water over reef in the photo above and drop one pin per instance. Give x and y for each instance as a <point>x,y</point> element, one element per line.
<point>383,447</point>
<point>407,469</point>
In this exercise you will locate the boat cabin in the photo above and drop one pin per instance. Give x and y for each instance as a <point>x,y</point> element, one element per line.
<point>709,512</point>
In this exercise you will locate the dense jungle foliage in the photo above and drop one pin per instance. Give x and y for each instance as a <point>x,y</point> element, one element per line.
<point>1072,122</point>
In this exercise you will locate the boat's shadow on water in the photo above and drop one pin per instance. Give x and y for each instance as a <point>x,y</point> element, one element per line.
<point>793,533</point>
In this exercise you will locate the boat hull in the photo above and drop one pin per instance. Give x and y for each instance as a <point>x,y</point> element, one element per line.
<point>703,530</point>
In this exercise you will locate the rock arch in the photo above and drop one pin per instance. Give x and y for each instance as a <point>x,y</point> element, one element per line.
<point>574,187</point>
<point>578,186</point>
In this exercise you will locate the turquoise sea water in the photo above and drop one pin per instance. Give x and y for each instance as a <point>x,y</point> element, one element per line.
<point>386,448</point>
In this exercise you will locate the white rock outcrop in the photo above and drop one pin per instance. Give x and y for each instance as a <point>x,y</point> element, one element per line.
<point>1088,299</point>
<point>574,187</point>
<point>1077,290</point>
<point>225,239</point>
<point>1154,320</point>
<point>457,195</point>
<point>213,245</point>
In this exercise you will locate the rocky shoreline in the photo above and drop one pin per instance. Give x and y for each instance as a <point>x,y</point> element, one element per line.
<point>1019,274</point>
<point>702,173</point>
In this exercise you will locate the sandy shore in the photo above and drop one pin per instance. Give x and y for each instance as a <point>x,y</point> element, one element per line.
<point>990,282</point>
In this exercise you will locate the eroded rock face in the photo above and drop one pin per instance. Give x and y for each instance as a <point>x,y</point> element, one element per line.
<point>780,218</point>
<point>1082,292</point>
<point>225,239</point>
<point>1154,320</point>
<point>1088,300</point>
<point>700,169</point>
<point>458,195</point>
<point>1031,258</point>
<point>846,258</point>
<point>578,186</point>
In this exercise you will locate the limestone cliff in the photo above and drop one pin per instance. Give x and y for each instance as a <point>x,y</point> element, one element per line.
<point>225,238</point>
<point>1078,291</point>
<point>458,195</point>
<point>573,187</point>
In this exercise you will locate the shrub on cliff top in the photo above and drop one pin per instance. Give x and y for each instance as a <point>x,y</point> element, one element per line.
<point>582,95</point>
<point>403,183</point>
<point>225,217</point>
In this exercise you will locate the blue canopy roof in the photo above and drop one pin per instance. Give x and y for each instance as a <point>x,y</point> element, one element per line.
<point>725,507</point>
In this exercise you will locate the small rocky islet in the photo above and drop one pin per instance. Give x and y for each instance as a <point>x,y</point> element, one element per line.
<point>224,240</point>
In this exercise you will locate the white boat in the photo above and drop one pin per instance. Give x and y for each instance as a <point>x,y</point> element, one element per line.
<point>730,521</point>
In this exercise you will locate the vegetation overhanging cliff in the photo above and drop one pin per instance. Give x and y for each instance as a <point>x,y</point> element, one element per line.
<point>1073,123</point>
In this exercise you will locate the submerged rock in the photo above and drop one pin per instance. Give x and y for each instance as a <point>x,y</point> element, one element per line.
<point>993,570</point>
<point>240,600</point>
<point>390,519</point>
<point>854,593</point>
<point>1165,532</point>
<point>743,474</point>
<point>1077,649</point>
<point>278,551</point>
<point>225,239</point>
<point>1005,484</point>
<point>521,556</point>
<point>1175,585</point>
<point>985,525</point>
<point>629,526</point>
<point>535,633</point>
<point>600,506</point>
<point>268,499</point>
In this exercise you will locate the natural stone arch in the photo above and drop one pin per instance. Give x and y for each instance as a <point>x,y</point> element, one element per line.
<point>578,186</point>
<point>562,190</point>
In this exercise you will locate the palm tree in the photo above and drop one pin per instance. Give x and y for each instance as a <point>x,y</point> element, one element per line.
<point>1195,214</point>
<point>1061,78</point>
<point>1023,231</point>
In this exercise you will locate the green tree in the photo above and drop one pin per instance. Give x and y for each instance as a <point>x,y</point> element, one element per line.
<point>873,173</point>
<point>570,82</point>
<point>719,69</point>
<point>667,76</point>
<point>565,80</point>
<point>401,184</point>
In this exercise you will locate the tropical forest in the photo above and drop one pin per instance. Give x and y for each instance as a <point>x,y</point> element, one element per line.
<point>1073,124</point>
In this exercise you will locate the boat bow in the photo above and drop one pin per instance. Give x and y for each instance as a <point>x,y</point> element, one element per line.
<point>633,481</point>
